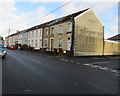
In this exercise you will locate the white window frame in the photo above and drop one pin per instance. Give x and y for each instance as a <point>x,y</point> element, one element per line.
<point>32,43</point>
<point>70,43</point>
<point>52,31</point>
<point>40,43</point>
<point>46,39</point>
<point>36,33</point>
<point>46,32</point>
<point>60,42</point>
<point>70,27</point>
<point>36,43</point>
<point>60,29</point>
<point>50,43</point>
<point>40,32</point>
<point>32,34</point>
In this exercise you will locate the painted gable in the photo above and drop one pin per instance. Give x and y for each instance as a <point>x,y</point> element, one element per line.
<point>89,32</point>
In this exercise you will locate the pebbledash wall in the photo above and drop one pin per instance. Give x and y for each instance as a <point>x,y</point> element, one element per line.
<point>81,33</point>
<point>89,34</point>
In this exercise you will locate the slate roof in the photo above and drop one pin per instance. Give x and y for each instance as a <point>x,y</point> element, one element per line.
<point>53,22</point>
<point>59,20</point>
<point>115,38</point>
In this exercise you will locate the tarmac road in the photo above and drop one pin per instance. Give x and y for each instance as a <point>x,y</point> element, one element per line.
<point>33,73</point>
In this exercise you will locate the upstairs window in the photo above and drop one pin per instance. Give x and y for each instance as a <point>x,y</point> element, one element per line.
<point>36,33</point>
<point>69,27</point>
<point>60,29</point>
<point>32,34</point>
<point>52,30</point>
<point>46,32</point>
<point>28,35</point>
<point>40,32</point>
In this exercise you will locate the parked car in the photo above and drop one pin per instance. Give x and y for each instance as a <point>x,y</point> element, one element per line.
<point>2,51</point>
<point>11,47</point>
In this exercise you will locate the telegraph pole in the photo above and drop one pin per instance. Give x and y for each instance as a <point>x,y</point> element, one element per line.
<point>8,36</point>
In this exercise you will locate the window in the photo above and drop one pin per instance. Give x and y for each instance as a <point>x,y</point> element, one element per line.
<point>52,30</point>
<point>45,42</point>
<point>29,42</point>
<point>68,43</point>
<point>60,29</point>
<point>28,35</point>
<point>59,43</point>
<point>32,34</point>
<point>32,43</point>
<point>40,43</point>
<point>40,32</point>
<point>46,32</point>
<point>69,27</point>
<point>36,33</point>
<point>36,43</point>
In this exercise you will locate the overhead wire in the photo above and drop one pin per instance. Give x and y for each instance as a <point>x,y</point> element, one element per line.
<point>22,27</point>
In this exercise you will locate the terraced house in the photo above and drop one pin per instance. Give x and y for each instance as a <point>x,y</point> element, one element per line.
<point>35,37</point>
<point>79,34</point>
<point>23,37</point>
<point>12,39</point>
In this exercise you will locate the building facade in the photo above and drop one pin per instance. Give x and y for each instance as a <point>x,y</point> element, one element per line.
<point>80,33</point>
<point>12,39</point>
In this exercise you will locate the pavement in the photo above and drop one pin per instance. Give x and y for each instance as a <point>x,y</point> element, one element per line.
<point>27,72</point>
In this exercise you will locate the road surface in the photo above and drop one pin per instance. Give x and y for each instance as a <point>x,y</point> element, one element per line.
<point>33,73</point>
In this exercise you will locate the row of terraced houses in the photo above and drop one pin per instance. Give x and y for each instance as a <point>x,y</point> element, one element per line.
<point>80,34</point>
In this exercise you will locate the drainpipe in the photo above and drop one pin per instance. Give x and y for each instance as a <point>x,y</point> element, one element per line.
<point>103,41</point>
<point>73,33</point>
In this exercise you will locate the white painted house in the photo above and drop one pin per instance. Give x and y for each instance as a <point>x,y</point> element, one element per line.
<point>35,38</point>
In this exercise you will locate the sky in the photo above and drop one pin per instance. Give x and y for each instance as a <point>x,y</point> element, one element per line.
<point>23,14</point>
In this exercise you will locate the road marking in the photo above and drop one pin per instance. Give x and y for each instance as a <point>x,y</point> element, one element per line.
<point>86,64</point>
<point>26,90</point>
<point>115,71</point>
<point>78,63</point>
<point>103,68</point>
<point>95,66</point>
<point>99,62</point>
<point>102,88</point>
<point>62,59</point>
<point>72,61</point>
<point>66,60</point>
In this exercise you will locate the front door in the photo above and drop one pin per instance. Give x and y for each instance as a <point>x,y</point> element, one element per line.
<point>51,40</point>
<point>69,43</point>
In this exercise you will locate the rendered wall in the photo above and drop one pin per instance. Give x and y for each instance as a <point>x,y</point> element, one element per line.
<point>88,35</point>
<point>111,48</point>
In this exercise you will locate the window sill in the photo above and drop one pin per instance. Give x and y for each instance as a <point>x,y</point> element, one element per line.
<point>59,33</point>
<point>68,32</point>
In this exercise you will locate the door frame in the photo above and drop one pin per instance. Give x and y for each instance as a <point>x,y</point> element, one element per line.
<point>67,43</point>
<point>50,44</point>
